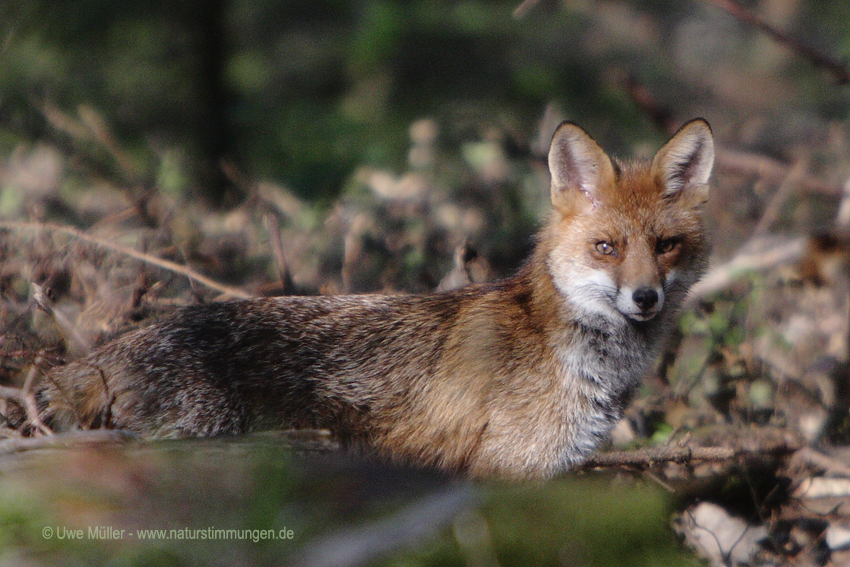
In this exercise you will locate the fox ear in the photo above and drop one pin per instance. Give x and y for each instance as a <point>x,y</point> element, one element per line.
<point>579,167</point>
<point>683,165</point>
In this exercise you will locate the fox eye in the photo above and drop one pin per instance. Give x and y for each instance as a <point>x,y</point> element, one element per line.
<point>605,248</point>
<point>666,245</point>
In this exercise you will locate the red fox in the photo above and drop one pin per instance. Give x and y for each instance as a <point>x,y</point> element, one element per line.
<point>521,378</point>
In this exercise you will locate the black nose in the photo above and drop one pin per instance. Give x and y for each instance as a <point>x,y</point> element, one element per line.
<point>645,298</point>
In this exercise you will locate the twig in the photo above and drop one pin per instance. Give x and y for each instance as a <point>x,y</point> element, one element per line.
<point>74,439</point>
<point>719,545</point>
<point>126,250</point>
<point>660,115</point>
<point>769,169</point>
<point>28,398</point>
<point>842,219</point>
<point>74,336</point>
<point>71,137</point>
<point>742,14</point>
<point>736,161</point>
<point>273,228</point>
<point>102,134</point>
<point>10,393</point>
<point>524,8</point>
<point>644,458</point>
<point>823,462</point>
<point>774,206</point>
<point>657,480</point>
<point>649,457</point>
<point>106,414</point>
<point>758,254</point>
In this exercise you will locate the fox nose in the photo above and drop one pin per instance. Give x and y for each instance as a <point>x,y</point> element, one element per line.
<point>645,298</point>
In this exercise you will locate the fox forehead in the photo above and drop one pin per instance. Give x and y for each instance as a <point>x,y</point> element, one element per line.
<point>635,206</point>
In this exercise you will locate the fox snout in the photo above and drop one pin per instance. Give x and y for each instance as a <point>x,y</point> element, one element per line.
<point>642,303</point>
<point>646,298</point>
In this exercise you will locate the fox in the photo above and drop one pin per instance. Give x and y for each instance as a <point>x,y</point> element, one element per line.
<point>521,378</point>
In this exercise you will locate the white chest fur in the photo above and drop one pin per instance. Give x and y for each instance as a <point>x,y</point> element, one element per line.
<point>600,368</point>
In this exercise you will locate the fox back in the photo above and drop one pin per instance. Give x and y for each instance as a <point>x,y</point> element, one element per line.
<point>518,378</point>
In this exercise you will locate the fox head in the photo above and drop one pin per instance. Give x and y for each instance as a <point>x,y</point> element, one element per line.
<point>629,239</point>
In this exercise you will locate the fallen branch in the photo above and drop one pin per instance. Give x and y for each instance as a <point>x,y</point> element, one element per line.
<point>126,250</point>
<point>93,437</point>
<point>771,170</point>
<point>760,254</point>
<point>773,208</point>
<point>25,398</point>
<point>28,399</point>
<point>832,467</point>
<point>756,445</point>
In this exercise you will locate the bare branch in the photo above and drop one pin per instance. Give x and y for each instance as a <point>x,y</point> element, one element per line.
<point>773,209</point>
<point>74,336</point>
<point>126,250</point>
<point>28,398</point>
<point>759,254</point>
<point>524,8</point>
<point>842,219</point>
<point>25,398</point>
<point>660,114</point>
<point>770,170</point>
<point>10,393</point>
<point>840,71</point>
<point>816,459</point>
<point>74,439</point>
<point>758,444</point>
<point>734,161</point>
<point>273,228</point>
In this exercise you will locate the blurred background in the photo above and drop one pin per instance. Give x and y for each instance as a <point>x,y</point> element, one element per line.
<point>333,146</point>
<point>200,100</point>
